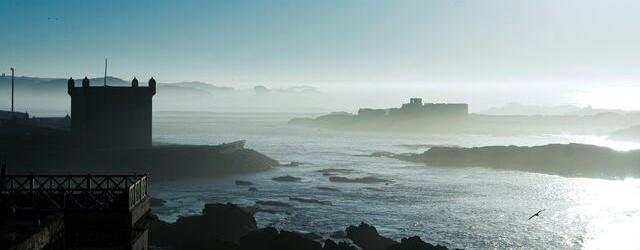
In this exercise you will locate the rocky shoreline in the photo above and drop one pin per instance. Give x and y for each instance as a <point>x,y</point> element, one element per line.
<point>229,227</point>
<point>570,160</point>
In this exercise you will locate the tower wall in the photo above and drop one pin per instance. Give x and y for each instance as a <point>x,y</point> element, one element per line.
<point>111,117</point>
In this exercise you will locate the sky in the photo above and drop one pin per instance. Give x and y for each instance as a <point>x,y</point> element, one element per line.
<point>489,43</point>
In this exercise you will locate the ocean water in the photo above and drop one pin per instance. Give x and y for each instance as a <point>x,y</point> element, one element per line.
<point>471,208</point>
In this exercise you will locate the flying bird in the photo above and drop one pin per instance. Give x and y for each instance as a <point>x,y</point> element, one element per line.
<point>536,214</point>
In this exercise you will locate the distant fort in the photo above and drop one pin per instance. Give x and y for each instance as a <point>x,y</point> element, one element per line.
<point>416,109</point>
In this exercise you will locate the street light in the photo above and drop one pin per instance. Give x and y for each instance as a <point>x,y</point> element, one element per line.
<point>12,71</point>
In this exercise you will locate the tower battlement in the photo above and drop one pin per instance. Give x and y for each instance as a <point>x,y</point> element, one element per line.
<point>111,116</point>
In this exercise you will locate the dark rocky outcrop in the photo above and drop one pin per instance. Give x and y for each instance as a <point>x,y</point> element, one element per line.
<point>229,227</point>
<point>336,170</point>
<point>243,183</point>
<point>560,159</point>
<point>328,189</point>
<point>366,237</point>
<point>252,189</point>
<point>219,227</point>
<point>272,239</point>
<point>415,243</point>
<point>332,245</point>
<point>286,178</point>
<point>310,200</point>
<point>255,209</point>
<point>312,236</point>
<point>339,235</point>
<point>273,203</point>
<point>160,162</point>
<point>368,179</point>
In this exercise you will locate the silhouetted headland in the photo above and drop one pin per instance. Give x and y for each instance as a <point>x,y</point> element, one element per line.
<point>416,117</point>
<point>109,131</point>
<point>574,160</point>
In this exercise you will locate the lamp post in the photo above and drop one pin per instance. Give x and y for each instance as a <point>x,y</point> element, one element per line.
<point>12,71</point>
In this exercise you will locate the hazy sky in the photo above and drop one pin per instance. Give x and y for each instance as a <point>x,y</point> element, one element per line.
<point>329,41</point>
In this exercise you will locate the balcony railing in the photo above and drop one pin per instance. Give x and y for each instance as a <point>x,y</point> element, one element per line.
<point>73,192</point>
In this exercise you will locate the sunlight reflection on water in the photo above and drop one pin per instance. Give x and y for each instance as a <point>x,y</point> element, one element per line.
<point>472,208</point>
<point>614,211</point>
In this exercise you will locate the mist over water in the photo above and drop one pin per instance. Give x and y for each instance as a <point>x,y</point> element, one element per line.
<point>48,96</point>
<point>472,208</point>
<point>290,78</point>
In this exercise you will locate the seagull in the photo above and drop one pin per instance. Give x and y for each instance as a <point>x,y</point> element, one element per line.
<point>536,214</point>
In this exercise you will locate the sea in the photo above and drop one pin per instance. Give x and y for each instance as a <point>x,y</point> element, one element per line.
<point>471,207</point>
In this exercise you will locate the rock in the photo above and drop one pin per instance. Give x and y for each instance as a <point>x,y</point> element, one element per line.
<point>415,243</point>
<point>243,183</point>
<point>339,235</point>
<point>229,227</point>
<point>219,227</point>
<point>332,245</point>
<point>373,189</point>
<point>291,164</point>
<point>308,200</point>
<point>270,239</point>
<point>381,154</point>
<point>273,203</point>
<point>287,178</point>
<point>252,189</point>
<point>328,189</point>
<point>559,159</point>
<point>255,209</point>
<point>368,179</point>
<point>155,202</point>
<point>312,236</point>
<point>366,237</point>
<point>336,170</point>
<point>160,162</point>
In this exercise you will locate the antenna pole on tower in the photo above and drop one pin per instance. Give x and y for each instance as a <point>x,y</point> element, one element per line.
<point>105,71</point>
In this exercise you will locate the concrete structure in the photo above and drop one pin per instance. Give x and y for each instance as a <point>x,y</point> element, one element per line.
<point>75,211</point>
<point>111,117</point>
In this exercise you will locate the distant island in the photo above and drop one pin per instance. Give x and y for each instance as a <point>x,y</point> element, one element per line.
<point>418,117</point>
<point>571,160</point>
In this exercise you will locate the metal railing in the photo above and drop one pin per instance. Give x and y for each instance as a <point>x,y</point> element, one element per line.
<point>65,192</point>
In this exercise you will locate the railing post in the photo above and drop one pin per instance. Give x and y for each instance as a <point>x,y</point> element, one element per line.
<point>89,182</point>
<point>3,172</point>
